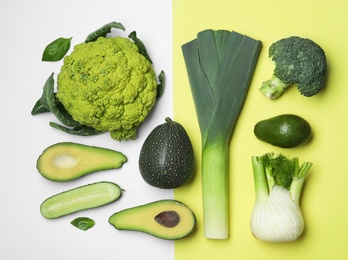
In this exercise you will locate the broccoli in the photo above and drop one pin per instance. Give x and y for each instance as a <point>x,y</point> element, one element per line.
<point>108,85</point>
<point>298,61</point>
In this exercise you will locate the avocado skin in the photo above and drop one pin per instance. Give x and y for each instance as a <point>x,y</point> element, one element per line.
<point>166,158</point>
<point>285,131</point>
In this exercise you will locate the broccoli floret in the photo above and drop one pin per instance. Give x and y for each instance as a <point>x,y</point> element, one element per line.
<point>108,85</point>
<point>298,61</point>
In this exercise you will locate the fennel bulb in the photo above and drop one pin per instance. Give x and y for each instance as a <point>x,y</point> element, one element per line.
<point>276,216</point>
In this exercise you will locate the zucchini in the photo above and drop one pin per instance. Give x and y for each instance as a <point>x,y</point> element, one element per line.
<point>80,198</point>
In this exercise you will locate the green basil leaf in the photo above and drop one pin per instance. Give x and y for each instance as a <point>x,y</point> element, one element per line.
<point>78,130</point>
<point>56,50</point>
<point>103,31</point>
<point>140,44</point>
<point>83,223</point>
<point>160,86</point>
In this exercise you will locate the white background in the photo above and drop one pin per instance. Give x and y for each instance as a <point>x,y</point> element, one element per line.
<point>26,28</point>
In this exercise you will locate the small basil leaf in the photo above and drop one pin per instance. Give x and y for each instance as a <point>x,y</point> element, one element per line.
<point>160,86</point>
<point>38,108</point>
<point>78,130</point>
<point>103,31</point>
<point>140,44</point>
<point>83,223</point>
<point>56,50</point>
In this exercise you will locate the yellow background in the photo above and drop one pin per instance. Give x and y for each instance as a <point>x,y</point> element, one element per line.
<point>324,200</point>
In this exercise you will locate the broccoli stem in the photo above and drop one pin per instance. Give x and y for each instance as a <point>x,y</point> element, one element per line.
<point>273,88</point>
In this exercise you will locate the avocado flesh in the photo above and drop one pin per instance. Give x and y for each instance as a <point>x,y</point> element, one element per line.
<point>145,218</point>
<point>68,161</point>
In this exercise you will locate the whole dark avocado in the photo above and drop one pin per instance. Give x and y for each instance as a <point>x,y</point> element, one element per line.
<point>285,131</point>
<point>166,158</point>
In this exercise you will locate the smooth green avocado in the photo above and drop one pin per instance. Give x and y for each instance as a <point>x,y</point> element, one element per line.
<point>166,219</point>
<point>68,161</point>
<point>166,158</point>
<point>285,131</point>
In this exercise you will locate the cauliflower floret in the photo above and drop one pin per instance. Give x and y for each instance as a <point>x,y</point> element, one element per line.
<point>108,85</point>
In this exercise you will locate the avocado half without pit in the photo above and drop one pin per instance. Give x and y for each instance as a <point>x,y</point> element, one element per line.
<point>166,158</point>
<point>165,219</point>
<point>67,161</point>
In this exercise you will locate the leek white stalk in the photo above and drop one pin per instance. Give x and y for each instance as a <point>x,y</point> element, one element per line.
<point>220,65</point>
<point>276,216</point>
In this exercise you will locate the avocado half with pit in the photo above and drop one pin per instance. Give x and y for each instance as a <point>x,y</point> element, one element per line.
<point>166,158</point>
<point>67,161</point>
<point>166,219</point>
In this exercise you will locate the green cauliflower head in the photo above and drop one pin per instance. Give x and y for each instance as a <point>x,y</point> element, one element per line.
<point>108,85</point>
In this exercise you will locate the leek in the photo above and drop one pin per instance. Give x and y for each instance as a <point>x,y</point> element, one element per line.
<point>220,65</point>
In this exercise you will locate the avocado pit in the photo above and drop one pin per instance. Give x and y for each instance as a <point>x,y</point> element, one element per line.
<point>168,218</point>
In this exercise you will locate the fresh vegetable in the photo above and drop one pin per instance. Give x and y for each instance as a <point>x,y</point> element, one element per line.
<point>220,65</point>
<point>286,130</point>
<point>80,198</point>
<point>67,161</point>
<point>276,216</point>
<point>166,219</point>
<point>166,158</point>
<point>83,223</point>
<point>106,84</point>
<point>298,61</point>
